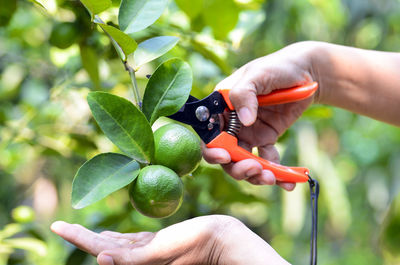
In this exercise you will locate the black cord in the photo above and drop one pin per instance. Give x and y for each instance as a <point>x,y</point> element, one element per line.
<point>314,191</point>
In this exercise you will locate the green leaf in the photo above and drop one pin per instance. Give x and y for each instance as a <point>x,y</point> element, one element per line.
<point>7,10</point>
<point>37,3</point>
<point>127,44</point>
<point>90,62</point>
<point>118,48</point>
<point>192,8</point>
<point>124,124</point>
<point>100,176</point>
<point>10,230</point>
<point>167,90</point>
<point>30,244</point>
<point>77,256</point>
<point>222,16</point>
<point>390,236</point>
<point>204,50</point>
<point>153,48</point>
<point>96,6</point>
<point>135,15</point>
<point>318,112</point>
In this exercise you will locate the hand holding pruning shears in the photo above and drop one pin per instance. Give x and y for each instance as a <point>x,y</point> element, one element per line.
<point>348,78</point>
<point>268,94</point>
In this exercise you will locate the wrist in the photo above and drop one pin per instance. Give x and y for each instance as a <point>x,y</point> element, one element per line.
<point>312,57</point>
<point>319,62</point>
<point>238,245</point>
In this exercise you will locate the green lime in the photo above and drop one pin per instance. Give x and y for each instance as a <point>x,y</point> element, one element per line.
<point>177,148</point>
<point>63,35</point>
<point>157,191</point>
<point>23,214</point>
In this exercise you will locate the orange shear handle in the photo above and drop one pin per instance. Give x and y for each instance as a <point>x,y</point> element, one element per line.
<point>279,96</point>
<point>237,153</point>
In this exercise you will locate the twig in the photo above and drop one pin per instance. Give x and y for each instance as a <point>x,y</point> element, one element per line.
<point>132,75</point>
<point>124,59</point>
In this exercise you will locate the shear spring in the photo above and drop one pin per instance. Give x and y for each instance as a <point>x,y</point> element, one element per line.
<point>234,124</point>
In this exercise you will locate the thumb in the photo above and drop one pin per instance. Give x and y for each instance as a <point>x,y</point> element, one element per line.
<point>122,256</point>
<point>105,259</point>
<point>244,99</point>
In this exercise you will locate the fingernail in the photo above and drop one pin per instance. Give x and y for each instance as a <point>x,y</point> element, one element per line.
<point>57,226</point>
<point>223,160</point>
<point>245,116</point>
<point>267,177</point>
<point>252,172</point>
<point>289,186</point>
<point>106,260</point>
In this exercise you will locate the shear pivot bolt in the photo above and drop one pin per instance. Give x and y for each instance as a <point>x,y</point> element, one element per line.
<point>210,126</point>
<point>202,113</point>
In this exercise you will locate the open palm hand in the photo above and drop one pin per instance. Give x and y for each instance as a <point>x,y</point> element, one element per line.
<point>214,239</point>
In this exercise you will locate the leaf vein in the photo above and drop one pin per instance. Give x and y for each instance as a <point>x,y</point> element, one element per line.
<point>133,21</point>
<point>163,95</point>
<point>105,179</point>
<point>125,131</point>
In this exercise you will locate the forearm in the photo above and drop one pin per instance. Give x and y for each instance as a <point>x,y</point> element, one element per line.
<point>362,81</point>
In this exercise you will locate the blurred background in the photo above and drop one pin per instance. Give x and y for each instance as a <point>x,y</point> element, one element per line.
<point>47,132</point>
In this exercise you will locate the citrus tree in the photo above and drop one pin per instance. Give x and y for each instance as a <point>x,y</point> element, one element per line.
<point>158,191</point>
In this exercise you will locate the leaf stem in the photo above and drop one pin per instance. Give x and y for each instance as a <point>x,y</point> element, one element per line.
<point>132,75</point>
<point>123,58</point>
<point>120,53</point>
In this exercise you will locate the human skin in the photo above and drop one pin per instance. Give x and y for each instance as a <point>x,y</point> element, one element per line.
<point>362,81</point>
<point>214,239</point>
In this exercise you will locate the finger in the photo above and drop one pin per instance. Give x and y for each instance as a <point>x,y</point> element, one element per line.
<point>265,178</point>
<point>103,259</point>
<point>244,98</point>
<point>269,152</point>
<point>124,256</point>
<point>282,116</point>
<point>230,81</point>
<point>243,95</point>
<point>83,238</point>
<point>215,155</point>
<point>254,180</point>
<point>118,256</point>
<point>243,169</point>
<point>286,185</point>
<point>259,134</point>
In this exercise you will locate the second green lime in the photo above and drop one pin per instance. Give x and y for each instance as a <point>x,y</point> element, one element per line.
<point>157,192</point>
<point>177,148</point>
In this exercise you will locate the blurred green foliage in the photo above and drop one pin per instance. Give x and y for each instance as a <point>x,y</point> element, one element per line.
<point>47,132</point>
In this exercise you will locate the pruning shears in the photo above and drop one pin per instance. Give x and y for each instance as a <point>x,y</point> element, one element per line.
<point>203,116</point>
